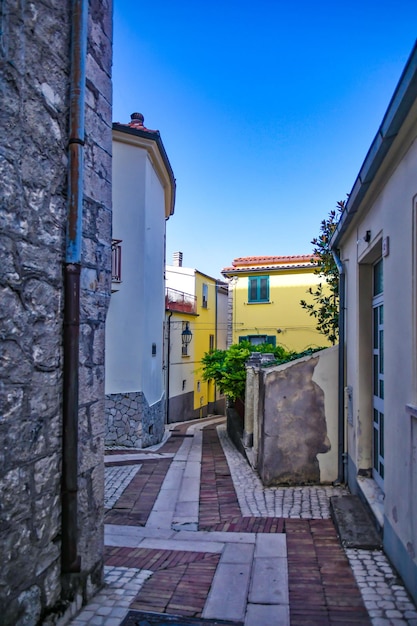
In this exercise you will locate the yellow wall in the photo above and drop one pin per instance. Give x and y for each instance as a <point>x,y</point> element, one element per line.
<point>283,312</point>
<point>204,326</point>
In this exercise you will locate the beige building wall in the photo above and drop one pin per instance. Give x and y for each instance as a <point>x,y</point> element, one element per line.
<point>385,227</point>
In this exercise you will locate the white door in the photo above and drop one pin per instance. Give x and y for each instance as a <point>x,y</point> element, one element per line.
<point>378,376</point>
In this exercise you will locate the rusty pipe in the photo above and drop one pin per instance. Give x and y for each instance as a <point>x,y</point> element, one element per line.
<point>70,560</point>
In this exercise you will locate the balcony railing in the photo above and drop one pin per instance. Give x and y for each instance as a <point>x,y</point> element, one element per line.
<point>116,261</point>
<point>180,301</point>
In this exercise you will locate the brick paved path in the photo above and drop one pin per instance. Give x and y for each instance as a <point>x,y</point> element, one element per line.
<point>177,542</point>
<point>322,589</point>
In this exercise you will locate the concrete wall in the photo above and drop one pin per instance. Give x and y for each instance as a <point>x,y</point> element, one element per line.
<point>33,169</point>
<point>181,408</point>
<point>295,420</point>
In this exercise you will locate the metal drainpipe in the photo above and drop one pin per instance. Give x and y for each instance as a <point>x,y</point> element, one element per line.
<point>168,362</point>
<point>70,560</point>
<point>216,340</point>
<point>341,373</point>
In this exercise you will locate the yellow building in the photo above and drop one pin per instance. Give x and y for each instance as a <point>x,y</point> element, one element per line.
<point>196,322</point>
<point>265,295</point>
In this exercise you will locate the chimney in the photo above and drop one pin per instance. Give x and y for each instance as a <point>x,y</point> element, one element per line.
<point>177,259</point>
<point>136,120</point>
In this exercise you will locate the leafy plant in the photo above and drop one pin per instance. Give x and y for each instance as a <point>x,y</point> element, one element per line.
<point>325,305</point>
<point>227,367</point>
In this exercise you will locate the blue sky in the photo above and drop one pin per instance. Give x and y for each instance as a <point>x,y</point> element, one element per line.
<point>266,110</point>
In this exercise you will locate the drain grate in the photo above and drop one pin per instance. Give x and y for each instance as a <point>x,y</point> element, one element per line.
<point>138,618</point>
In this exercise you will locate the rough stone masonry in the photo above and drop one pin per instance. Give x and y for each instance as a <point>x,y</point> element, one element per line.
<point>34,118</point>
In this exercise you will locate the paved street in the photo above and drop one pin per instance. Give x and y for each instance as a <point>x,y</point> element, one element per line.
<point>190,530</point>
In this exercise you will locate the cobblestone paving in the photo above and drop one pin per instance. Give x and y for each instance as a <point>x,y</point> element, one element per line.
<point>111,604</point>
<point>257,500</point>
<point>116,479</point>
<point>313,553</point>
<point>384,595</point>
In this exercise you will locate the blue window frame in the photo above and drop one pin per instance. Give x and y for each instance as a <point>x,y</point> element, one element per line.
<point>258,289</point>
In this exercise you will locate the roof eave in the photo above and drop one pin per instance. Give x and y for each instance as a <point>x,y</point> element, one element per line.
<point>267,270</point>
<point>155,137</point>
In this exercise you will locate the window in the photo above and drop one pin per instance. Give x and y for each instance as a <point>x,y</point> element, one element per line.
<point>255,340</point>
<point>205,295</point>
<point>211,343</point>
<point>378,375</point>
<point>258,289</point>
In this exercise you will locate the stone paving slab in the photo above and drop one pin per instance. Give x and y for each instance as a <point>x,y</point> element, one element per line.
<point>271,545</point>
<point>177,544</point>
<point>267,615</point>
<point>228,594</point>
<point>131,536</point>
<point>190,488</point>
<point>138,456</point>
<point>238,553</point>
<point>269,581</point>
<point>353,523</point>
<point>237,517</point>
<point>225,537</point>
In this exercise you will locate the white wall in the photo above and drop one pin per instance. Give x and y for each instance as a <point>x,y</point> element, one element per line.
<point>222,299</point>
<point>180,368</point>
<point>154,288</point>
<point>389,211</point>
<point>136,312</point>
<point>180,278</point>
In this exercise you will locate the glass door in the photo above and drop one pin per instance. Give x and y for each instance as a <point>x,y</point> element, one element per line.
<point>378,375</point>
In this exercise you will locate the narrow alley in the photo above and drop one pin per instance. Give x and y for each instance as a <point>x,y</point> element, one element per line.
<point>190,531</point>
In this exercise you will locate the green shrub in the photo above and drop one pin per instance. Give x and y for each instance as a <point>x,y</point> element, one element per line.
<point>227,367</point>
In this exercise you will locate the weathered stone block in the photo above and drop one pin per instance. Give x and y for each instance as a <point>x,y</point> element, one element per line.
<point>297,421</point>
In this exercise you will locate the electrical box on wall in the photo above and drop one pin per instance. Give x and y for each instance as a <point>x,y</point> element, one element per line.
<point>349,404</point>
<point>385,246</point>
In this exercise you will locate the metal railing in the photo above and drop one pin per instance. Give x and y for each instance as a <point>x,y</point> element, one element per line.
<point>180,301</point>
<point>116,260</point>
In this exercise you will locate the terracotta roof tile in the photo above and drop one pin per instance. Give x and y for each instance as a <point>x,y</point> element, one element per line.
<point>255,260</point>
<point>269,263</point>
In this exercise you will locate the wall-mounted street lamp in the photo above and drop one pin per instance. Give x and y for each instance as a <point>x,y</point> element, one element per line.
<point>186,334</point>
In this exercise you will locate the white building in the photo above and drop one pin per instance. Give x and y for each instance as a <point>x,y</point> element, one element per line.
<point>196,322</point>
<point>376,240</point>
<point>143,199</point>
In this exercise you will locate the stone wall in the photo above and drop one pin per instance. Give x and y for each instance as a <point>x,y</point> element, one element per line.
<point>34,66</point>
<point>131,422</point>
<point>291,420</point>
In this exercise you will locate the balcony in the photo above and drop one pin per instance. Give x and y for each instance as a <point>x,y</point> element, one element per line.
<point>116,264</point>
<point>180,302</point>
